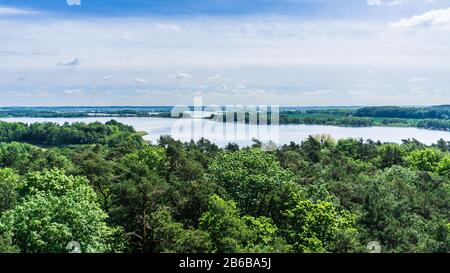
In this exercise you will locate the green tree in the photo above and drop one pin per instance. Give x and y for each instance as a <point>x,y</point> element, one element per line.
<point>425,160</point>
<point>443,167</point>
<point>230,233</point>
<point>393,212</point>
<point>26,158</point>
<point>443,145</point>
<point>56,209</point>
<point>141,189</point>
<point>320,227</point>
<point>293,161</point>
<point>6,245</point>
<point>253,178</point>
<point>350,147</point>
<point>93,164</point>
<point>390,155</point>
<point>170,236</point>
<point>223,224</point>
<point>311,148</point>
<point>9,182</point>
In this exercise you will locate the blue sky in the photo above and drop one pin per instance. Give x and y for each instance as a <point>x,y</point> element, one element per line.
<point>181,8</point>
<point>287,52</point>
<point>169,8</point>
<point>176,8</point>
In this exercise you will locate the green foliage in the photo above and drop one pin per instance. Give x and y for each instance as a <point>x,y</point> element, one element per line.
<point>311,147</point>
<point>9,182</point>
<point>230,233</point>
<point>251,177</point>
<point>25,158</point>
<point>141,188</point>
<point>443,167</point>
<point>435,112</point>
<point>263,236</point>
<point>390,155</point>
<point>293,161</point>
<point>92,163</point>
<point>434,124</point>
<point>6,245</point>
<point>318,226</point>
<point>54,134</point>
<point>56,209</point>
<point>391,216</point>
<point>170,236</point>
<point>113,192</point>
<point>425,160</point>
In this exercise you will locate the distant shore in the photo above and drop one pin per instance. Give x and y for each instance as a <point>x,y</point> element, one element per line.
<point>431,117</point>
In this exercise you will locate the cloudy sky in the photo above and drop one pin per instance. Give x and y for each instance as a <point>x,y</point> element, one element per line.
<point>166,52</point>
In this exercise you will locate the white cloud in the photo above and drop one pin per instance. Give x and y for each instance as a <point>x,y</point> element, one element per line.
<point>222,87</point>
<point>317,92</point>
<point>374,2</point>
<point>140,80</point>
<point>15,11</point>
<point>390,3</point>
<point>43,93</point>
<point>419,80</point>
<point>394,3</point>
<point>438,91</point>
<point>359,92</point>
<point>108,77</point>
<point>436,17</point>
<point>71,62</point>
<point>72,91</point>
<point>73,2</point>
<point>181,75</point>
<point>214,77</point>
<point>418,92</point>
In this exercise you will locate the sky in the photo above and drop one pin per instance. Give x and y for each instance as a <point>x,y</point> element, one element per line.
<point>275,52</point>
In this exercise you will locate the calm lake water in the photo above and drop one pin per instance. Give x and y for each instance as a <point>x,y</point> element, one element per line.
<point>242,134</point>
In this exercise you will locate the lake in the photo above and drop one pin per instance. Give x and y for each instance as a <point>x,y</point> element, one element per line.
<point>242,134</point>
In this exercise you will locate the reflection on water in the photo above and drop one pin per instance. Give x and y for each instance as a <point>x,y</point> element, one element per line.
<point>242,134</point>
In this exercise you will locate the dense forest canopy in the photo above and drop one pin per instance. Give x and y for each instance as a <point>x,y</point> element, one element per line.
<point>66,134</point>
<point>104,187</point>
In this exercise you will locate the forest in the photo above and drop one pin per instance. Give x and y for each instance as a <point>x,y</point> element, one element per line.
<point>104,187</point>
<point>433,117</point>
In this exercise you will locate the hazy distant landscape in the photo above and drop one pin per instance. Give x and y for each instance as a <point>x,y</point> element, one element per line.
<point>385,124</point>
<point>431,117</point>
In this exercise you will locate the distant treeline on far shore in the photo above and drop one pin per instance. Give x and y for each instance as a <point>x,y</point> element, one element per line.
<point>430,117</point>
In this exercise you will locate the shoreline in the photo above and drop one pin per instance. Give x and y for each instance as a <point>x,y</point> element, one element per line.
<point>229,122</point>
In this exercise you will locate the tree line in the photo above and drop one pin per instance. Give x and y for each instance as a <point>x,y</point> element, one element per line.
<point>433,118</point>
<point>67,134</point>
<point>433,112</point>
